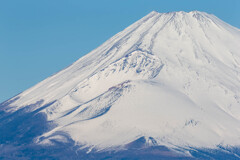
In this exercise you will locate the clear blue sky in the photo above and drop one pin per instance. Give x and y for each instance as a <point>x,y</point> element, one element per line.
<point>41,37</point>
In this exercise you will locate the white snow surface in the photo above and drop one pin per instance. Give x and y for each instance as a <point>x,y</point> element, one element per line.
<point>171,76</point>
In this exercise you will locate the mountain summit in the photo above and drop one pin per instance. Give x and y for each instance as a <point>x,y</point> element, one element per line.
<point>168,84</point>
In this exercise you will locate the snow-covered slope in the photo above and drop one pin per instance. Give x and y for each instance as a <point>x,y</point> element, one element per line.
<point>171,77</point>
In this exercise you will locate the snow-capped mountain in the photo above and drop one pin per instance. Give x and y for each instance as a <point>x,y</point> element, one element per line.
<point>169,79</point>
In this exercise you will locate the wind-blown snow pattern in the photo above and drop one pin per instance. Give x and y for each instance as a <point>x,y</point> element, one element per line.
<point>166,86</point>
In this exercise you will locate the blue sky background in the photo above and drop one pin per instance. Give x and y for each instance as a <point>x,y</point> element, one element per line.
<point>41,37</point>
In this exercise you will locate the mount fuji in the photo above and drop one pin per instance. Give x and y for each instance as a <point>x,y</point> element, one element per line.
<point>167,86</point>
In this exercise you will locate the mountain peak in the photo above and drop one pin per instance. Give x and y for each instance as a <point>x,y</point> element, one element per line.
<point>179,19</point>
<point>154,12</point>
<point>169,76</point>
<point>179,14</point>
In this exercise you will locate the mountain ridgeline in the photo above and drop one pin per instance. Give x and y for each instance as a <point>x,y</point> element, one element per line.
<point>167,86</point>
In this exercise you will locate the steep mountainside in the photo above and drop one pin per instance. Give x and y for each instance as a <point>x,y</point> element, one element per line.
<point>168,85</point>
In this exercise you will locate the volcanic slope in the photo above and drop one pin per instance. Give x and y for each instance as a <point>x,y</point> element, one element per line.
<point>169,79</point>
